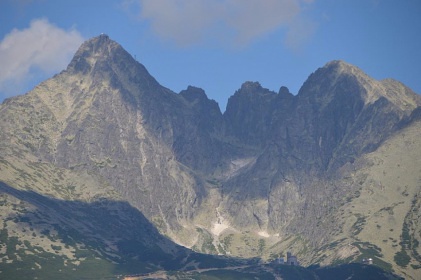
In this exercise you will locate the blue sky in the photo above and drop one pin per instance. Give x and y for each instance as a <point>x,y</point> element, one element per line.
<point>214,44</point>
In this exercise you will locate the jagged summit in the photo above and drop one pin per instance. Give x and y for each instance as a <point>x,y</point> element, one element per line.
<point>92,50</point>
<point>102,60</point>
<point>193,93</point>
<point>249,85</point>
<point>99,42</point>
<point>100,55</point>
<point>253,88</point>
<point>100,45</point>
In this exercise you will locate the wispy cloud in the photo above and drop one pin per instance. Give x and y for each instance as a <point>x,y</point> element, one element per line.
<point>237,22</point>
<point>41,49</point>
<point>299,31</point>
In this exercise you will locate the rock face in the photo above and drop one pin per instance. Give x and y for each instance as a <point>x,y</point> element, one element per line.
<point>275,172</point>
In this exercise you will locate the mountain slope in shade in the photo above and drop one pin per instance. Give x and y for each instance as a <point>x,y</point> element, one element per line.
<point>323,173</point>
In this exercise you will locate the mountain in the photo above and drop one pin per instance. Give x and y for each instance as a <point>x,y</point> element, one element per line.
<point>103,154</point>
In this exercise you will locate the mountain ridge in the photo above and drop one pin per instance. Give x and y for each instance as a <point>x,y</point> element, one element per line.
<point>275,171</point>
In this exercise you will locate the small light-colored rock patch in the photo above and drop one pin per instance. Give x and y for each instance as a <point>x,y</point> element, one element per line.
<point>219,227</point>
<point>263,234</point>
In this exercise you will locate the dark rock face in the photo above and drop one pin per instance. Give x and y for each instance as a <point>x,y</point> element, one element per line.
<point>252,112</point>
<point>267,155</point>
<point>327,124</point>
<point>331,122</point>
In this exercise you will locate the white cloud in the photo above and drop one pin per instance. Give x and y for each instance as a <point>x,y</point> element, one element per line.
<point>239,22</point>
<point>181,21</point>
<point>298,33</point>
<point>41,49</point>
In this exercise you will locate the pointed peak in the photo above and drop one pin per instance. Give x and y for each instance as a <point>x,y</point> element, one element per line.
<point>97,48</point>
<point>100,38</point>
<point>341,66</point>
<point>334,73</point>
<point>101,44</point>
<point>336,63</point>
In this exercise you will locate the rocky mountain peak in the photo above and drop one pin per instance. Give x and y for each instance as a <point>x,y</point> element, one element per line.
<point>92,50</point>
<point>101,60</point>
<point>251,92</point>
<point>340,66</point>
<point>284,90</point>
<point>338,79</point>
<point>333,72</point>
<point>199,101</point>
<point>342,73</point>
<point>339,76</point>
<point>193,93</point>
<point>250,87</point>
<point>100,46</point>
